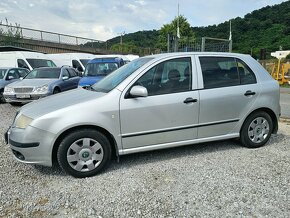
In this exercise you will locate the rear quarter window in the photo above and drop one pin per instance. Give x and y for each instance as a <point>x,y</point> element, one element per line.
<point>220,72</point>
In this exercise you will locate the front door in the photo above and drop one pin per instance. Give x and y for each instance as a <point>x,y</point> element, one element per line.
<point>170,111</point>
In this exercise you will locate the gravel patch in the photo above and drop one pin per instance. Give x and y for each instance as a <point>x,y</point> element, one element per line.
<point>218,179</point>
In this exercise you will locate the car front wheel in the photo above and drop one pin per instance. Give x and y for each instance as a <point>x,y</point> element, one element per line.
<point>256,130</point>
<point>84,153</point>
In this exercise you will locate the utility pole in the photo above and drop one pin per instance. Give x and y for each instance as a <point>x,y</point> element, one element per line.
<point>178,31</point>
<point>121,40</point>
<point>230,38</point>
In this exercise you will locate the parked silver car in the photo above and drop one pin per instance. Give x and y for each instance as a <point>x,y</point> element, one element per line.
<point>10,75</point>
<point>154,102</point>
<point>40,83</point>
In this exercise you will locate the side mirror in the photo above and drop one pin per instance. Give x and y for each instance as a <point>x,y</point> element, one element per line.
<point>138,91</point>
<point>65,78</point>
<point>10,77</point>
<point>21,78</point>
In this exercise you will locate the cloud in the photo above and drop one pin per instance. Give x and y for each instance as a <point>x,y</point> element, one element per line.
<point>102,20</point>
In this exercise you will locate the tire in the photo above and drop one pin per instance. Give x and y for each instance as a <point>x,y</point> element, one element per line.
<point>256,130</point>
<point>56,90</point>
<point>84,153</point>
<point>2,99</point>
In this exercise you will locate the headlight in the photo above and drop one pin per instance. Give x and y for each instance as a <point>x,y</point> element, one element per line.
<point>8,90</point>
<point>42,89</point>
<point>22,121</point>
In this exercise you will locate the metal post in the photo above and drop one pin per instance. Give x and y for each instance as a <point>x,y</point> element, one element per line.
<point>203,44</point>
<point>59,38</point>
<point>168,43</point>
<point>77,40</point>
<point>231,46</point>
<point>41,36</point>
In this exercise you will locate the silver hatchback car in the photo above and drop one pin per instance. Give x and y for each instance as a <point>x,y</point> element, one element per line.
<point>154,102</point>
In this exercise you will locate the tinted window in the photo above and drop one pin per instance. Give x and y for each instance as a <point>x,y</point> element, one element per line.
<point>72,72</point>
<point>22,72</point>
<point>21,63</point>
<point>246,74</point>
<point>44,73</point>
<point>65,73</point>
<point>35,63</point>
<point>13,74</point>
<point>76,64</point>
<point>2,73</point>
<point>119,75</point>
<point>168,77</point>
<point>219,72</point>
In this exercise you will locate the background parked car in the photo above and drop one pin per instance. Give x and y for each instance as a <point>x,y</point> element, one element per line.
<point>98,68</point>
<point>10,75</point>
<point>41,82</point>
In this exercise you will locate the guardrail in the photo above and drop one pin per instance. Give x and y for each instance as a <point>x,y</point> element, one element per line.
<point>27,33</point>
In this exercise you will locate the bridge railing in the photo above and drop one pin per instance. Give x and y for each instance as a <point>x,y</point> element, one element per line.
<point>28,33</point>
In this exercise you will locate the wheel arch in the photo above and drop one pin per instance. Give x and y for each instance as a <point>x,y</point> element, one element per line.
<point>56,87</point>
<point>272,115</point>
<point>113,143</point>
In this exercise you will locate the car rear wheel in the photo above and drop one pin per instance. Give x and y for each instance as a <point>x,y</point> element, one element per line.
<point>56,90</point>
<point>256,130</point>
<point>2,99</point>
<point>84,153</point>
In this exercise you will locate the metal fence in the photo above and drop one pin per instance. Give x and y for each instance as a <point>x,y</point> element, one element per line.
<point>204,44</point>
<point>27,33</point>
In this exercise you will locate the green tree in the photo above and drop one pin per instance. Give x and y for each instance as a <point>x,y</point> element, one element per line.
<point>186,32</point>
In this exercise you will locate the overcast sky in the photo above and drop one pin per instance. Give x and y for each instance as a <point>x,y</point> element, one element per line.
<point>105,19</point>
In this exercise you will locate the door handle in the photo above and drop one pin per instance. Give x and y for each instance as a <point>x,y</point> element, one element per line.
<point>249,92</point>
<point>189,100</point>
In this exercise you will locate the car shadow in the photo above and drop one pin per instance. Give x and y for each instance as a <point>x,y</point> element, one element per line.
<point>133,160</point>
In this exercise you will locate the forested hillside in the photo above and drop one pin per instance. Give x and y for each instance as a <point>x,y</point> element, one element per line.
<point>267,28</point>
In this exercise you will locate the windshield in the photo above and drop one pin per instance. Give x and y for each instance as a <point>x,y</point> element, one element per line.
<point>35,63</point>
<point>2,73</point>
<point>45,73</point>
<point>84,61</point>
<point>119,75</point>
<point>98,69</point>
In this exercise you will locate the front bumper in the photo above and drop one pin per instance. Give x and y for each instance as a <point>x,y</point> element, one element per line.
<point>31,145</point>
<point>25,98</point>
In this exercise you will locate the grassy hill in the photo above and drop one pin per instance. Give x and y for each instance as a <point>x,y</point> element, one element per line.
<point>267,28</point>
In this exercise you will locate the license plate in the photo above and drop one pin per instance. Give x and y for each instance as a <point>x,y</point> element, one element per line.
<point>22,96</point>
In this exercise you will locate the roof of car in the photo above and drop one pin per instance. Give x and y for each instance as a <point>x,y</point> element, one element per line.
<point>105,59</point>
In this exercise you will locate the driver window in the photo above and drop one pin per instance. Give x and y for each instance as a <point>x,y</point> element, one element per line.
<point>13,74</point>
<point>168,77</point>
<point>65,73</point>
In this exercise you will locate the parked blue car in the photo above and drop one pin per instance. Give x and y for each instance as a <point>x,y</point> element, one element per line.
<point>98,68</point>
<point>41,82</point>
<point>10,75</point>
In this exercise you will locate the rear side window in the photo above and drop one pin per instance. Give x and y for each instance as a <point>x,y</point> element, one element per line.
<point>246,74</point>
<point>72,72</point>
<point>225,71</point>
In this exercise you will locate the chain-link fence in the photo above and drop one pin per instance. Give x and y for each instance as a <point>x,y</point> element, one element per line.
<point>18,32</point>
<point>206,44</point>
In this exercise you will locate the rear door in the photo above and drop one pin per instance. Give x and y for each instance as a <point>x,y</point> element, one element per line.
<point>229,90</point>
<point>169,113</point>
